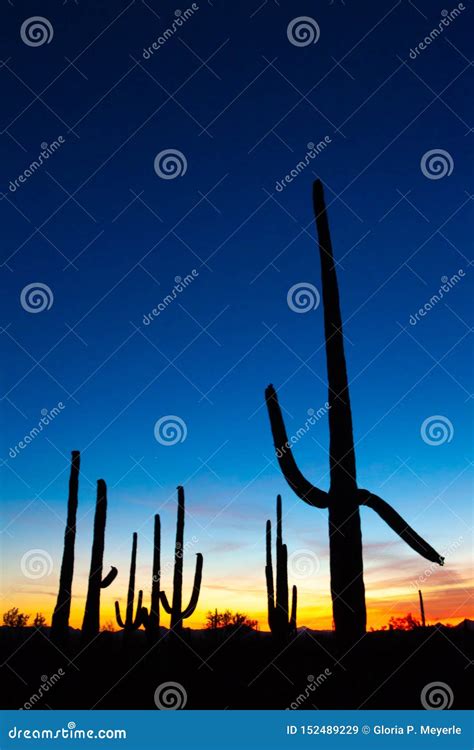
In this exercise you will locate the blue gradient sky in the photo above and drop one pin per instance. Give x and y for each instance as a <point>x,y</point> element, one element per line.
<point>242,122</point>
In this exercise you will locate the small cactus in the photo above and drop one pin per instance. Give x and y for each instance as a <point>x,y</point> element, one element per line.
<point>279,623</point>
<point>178,614</point>
<point>130,623</point>
<point>91,622</point>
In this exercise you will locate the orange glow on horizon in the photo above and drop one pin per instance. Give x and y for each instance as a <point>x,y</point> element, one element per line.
<point>449,608</point>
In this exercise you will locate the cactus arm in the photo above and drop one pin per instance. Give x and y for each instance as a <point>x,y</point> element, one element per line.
<point>294,604</point>
<point>120,622</point>
<point>298,483</point>
<point>342,454</point>
<point>399,525</point>
<point>138,617</point>
<point>144,617</point>
<point>109,578</point>
<point>196,588</point>
<point>165,603</point>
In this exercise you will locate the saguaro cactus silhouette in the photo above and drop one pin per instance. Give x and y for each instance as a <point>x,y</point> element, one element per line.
<point>344,496</point>
<point>91,622</point>
<point>278,621</point>
<point>60,619</point>
<point>178,614</point>
<point>151,619</point>
<point>131,623</point>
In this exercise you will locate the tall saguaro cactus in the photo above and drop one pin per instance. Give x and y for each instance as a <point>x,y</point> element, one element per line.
<point>151,619</point>
<point>278,621</point>
<point>344,496</point>
<point>178,614</point>
<point>130,622</point>
<point>91,622</point>
<point>60,619</point>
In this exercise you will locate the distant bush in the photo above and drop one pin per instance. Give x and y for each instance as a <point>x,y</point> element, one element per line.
<point>15,619</point>
<point>228,619</point>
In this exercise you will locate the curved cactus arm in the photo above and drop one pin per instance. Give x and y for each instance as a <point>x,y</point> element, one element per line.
<point>165,603</point>
<point>120,622</point>
<point>109,578</point>
<point>400,526</point>
<point>298,483</point>
<point>196,588</point>
<point>294,604</point>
